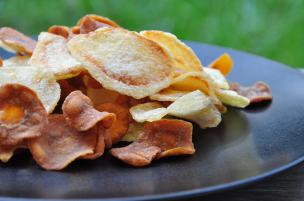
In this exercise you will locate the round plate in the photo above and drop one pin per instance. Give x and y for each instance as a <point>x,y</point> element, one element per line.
<point>247,146</point>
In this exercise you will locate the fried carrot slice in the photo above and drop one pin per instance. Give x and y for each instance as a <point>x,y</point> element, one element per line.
<point>224,63</point>
<point>161,138</point>
<point>60,144</point>
<point>79,112</point>
<point>63,31</point>
<point>22,114</point>
<point>16,41</point>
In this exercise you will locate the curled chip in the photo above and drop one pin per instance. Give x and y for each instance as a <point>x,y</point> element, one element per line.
<point>22,114</point>
<point>183,56</point>
<point>60,144</point>
<point>17,61</point>
<point>256,93</point>
<point>160,139</point>
<point>224,64</point>
<point>168,94</point>
<point>196,107</point>
<point>232,98</point>
<point>51,53</point>
<point>79,112</point>
<point>120,125</point>
<point>217,78</point>
<point>133,131</point>
<point>123,61</point>
<point>151,111</point>
<point>89,24</point>
<point>63,31</point>
<point>96,19</point>
<point>99,146</point>
<point>41,81</point>
<point>14,41</point>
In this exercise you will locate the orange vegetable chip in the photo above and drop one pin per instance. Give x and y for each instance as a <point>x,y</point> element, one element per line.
<point>79,112</point>
<point>63,31</point>
<point>224,63</point>
<point>13,40</point>
<point>161,138</point>
<point>100,144</point>
<point>22,114</point>
<point>121,124</point>
<point>75,30</point>
<point>1,62</point>
<point>60,144</point>
<point>89,22</point>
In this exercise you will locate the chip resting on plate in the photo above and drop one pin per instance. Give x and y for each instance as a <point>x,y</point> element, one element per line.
<point>14,41</point>
<point>123,61</point>
<point>41,81</point>
<point>232,98</point>
<point>60,144</point>
<point>22,115</point>
<point>51,53</point>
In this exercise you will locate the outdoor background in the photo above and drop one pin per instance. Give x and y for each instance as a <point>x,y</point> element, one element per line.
<point>271,28</point>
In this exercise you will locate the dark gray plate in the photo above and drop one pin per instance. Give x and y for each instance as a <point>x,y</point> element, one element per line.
<point>248,145</point>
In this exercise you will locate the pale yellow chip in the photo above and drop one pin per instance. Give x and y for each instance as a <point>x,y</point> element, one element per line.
<point>151,111</point>
<point>17,61</point>
<point>183,56</point>
<point>217,77</point>
<point>39,80</point>
<point>123,61</point>
<point>168,94</point>
<point>51,52</point>
<point>196,107</point>
<point>232,98</point>
<point>133,132</point>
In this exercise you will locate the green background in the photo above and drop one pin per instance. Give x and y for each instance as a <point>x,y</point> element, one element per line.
<point>271,28</point>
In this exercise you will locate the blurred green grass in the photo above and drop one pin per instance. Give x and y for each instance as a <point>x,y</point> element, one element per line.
<point>271,28</point>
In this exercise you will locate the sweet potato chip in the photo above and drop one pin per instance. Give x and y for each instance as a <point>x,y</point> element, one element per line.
<point>14,41</point>
<point>60,144</point>
<point>63,31</point>
<point>52,53</point>
<point>17,61</point>
<point>256,93</point>
<point>183,56</point>
<point>160,139</point>
<point>151,111</point>
<point>22,115</point>
<point>99,146</point>
<point>224,64</point>
<point>232,98</point>
<point>123,61</point>
<point>41,81</point>
<point>79,112</point>
<point>102,95</point>
<point>7,151</point>
<point>121,124</point>
<point>97,18</point>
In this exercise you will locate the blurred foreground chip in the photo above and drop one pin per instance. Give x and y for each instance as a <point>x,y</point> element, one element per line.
<point>14,41</point>
<point>41,81</point>
<point>123,61</point>
<point>60,144</point>
<point>79,112</point>
<point>51,53</point>
<point>22,115</point>
<point>17,61</point>
<point>183,56</point>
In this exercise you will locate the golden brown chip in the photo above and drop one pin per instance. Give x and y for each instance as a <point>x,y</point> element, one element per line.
<point>89,24</point>
<point>60,144</point>
<point>12,40</point>
<point>121,124</point>
<point>22,114</point>
<point>97,18</point>
<point>75,30</point>
<point>161,138</point>
<point>79,112</point>
<point>224,63</point>
<point>1,62</point>
<point>63,31</point>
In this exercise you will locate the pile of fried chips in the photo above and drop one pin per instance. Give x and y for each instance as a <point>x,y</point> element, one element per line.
<point>79,90</point>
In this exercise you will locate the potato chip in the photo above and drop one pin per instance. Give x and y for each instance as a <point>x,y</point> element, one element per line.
<point>123,61</point>
<point>97,18</point>
<point>17,61</point>
<point>218,79</point>
<point>52,53</point>
<point>183,56</point>
<point>79,112</point>
<point>232,98</point>
<point>39,80</point>
<point>14,41</point>
<point>22,115</point>
<point>168,94</point>
<point>59,30</point>
<point>120,125</point>
<point>133,132</point>
<point>60,144</point>
<point>148,112</point>
<point>224,64</point>
<point>196,107</point>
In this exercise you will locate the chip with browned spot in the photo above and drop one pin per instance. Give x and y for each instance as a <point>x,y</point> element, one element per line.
<point>121,124</point>
<point>60,30</point>
<point>13,40</point>
<point>89,24</point>
<point>161,138</point>
<point>22,114</point>
<point>60,144</point>
<point>98,20</point>
<point>79,112</point>
<point>259,92</point>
